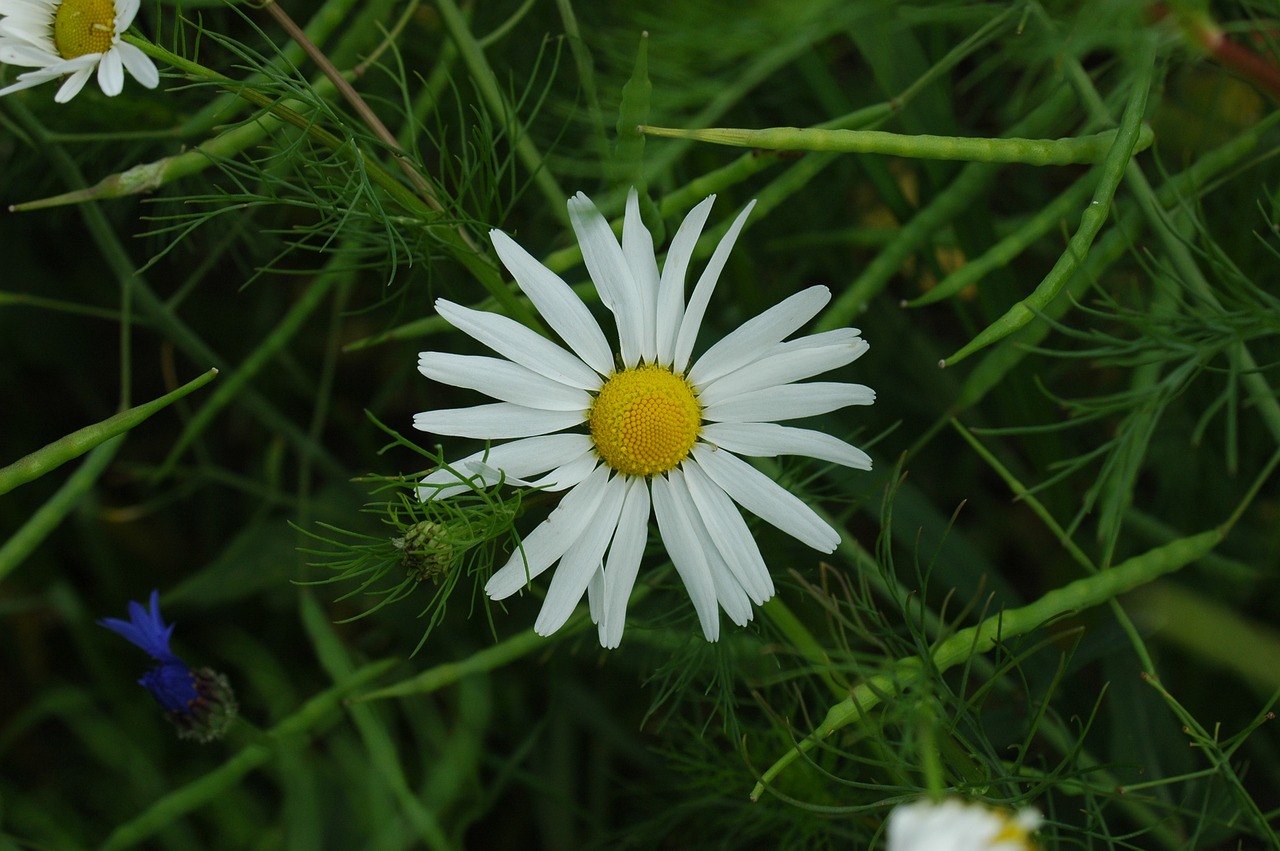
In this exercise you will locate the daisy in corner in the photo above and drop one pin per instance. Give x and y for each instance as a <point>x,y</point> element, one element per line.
<point>72,39</point>
<point>640,430</point>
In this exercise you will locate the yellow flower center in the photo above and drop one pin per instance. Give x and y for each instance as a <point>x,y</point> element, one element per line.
<point>1013,832</point>
<point>84,26</point>
<point>645,420</point>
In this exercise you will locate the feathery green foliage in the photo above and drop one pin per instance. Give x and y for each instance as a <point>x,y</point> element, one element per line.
<point>1057,588</point>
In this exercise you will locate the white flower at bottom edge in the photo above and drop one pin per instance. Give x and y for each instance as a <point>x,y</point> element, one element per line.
<point>954,825</point>
<point>660,435</point>
<point>72,38</point>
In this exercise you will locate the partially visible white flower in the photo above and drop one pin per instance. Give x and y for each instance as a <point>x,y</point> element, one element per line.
<point>655,432</point>
<point>72,38</point>
<point>954,825</point>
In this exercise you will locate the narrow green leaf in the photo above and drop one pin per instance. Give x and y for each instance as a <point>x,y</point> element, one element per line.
<point>1079,149</point>
<point>1002,626</point>
<point>77,443</point>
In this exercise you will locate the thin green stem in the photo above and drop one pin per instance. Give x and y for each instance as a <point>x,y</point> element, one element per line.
<point>452,238</point>
<point>1006,250</point>
<point>1079,149</point>
<point>358,103</point>
<point>338,270</point>
<point>959,196</point>
<point>799,637</point>
<point>491,658</point>
<point>486,81</point>
<point>77,443</point>
<point>201,791</point>
<point>47,517</point>
<point>1011,623</point>
<point>1123,146</point>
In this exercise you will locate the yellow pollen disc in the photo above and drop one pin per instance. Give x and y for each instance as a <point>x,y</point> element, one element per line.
<point>1012,832</point>
<point>84,26</point>
<point>645,420</point>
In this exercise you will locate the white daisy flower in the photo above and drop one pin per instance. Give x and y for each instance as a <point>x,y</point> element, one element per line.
<point>954,825</point>
<point>652,433</point>
<point>71,38</point>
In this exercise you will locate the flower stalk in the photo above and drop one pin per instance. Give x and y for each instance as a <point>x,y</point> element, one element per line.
<point>77,443</point>
<point>1075,150</point>
<point>1002,626</point>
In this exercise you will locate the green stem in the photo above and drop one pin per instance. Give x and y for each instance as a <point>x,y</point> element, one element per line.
<point>77,443</point>
<point>348,17</point>
<point>385,758</point>
<point>1124,144</point>
<point>799,637</point>
<point>963,645</point>
<point>1080,149</point>
<point>357,103</point>
<point>1216,633</point>
<point>999,362</point>
<point>486,82</point>
<point>338,269</point>
<point>434,679</point>
<point>1006,250</point>
<point>453,239</point>
<point>47,517</point>
<point>199,792</point>
<point>956,199</point>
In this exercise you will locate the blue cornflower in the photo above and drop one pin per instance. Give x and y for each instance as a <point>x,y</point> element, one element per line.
<point>170,682</point>
<point>199,702</point>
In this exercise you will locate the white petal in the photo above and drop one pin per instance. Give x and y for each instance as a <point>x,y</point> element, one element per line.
<point>571,472</point>
<point>520,344</point>
<point>503,380</point>
<point>73,85</point>
<point>111,74</point>
<point>768,440</point>
<point>582,560</point>
<point>29,56</point>
<point>729,591</point>
<point>25,17</point>
<point>518,459</point>
<point>755,336</point>
<point>686,554</point>
<point>608,269</point>
<point>32,7</point>
<point>28,24</point>
<point>495,422</point>
<point>595,595</point>
<point>637,250</point>
<point>558,304</point>
<point>45,7</point>
<point>7,7</point>
<point>42,14</point>
<point>825,339</point>
<point>138,64</point>
<point>28,80</point>
<point>785,363</point>
<point>126,10</point>
<point>789,402</point>
<point>956,824</point>
<point>489,473</point>
<point>729,534</point>
<point>765,498</point>
<point>45,11</point>
<point>547,543</point>
<point>671,286</point>
<point>620,570</point>
<point>697,308</point>
<point>17,35</point>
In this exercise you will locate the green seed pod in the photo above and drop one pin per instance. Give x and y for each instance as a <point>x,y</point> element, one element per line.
<point>426,551</point>
<point>208,717</point>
